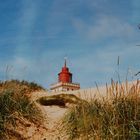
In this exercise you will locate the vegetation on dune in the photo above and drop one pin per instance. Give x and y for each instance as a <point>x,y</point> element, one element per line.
<point>19,86</point>
<point>60,100</point>
<point>117,117</point>
<point>15,104</point>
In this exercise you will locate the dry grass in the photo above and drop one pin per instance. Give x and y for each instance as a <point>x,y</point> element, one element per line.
<point>19,86</point>
<point>115,117</point>
<point>15,104</point>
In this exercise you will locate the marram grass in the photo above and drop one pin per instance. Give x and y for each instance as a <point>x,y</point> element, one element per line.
<point>15,104</point>
<point>117,117</point>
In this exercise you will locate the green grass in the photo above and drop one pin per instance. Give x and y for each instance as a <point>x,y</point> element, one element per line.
<point>15,104</point>
<point>117,117</point>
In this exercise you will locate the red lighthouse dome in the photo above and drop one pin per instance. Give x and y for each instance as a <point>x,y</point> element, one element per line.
<point>65,76</point>
<point>64,81</point>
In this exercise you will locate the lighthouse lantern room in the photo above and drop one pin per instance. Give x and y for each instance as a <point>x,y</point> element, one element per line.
<point>65,81</point>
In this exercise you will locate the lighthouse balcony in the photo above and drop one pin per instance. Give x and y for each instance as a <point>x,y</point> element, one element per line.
<point>61,86</point>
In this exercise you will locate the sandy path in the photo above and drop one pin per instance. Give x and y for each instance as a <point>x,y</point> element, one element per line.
<point>53,116</point>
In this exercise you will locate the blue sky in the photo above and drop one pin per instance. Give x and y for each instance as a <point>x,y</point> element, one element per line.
<point>36,35</point>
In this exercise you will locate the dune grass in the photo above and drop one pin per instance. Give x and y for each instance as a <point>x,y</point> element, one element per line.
<point>15,104</point>
<point>115,117</point>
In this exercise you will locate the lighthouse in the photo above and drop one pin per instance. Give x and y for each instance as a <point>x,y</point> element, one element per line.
<point>65,82</point>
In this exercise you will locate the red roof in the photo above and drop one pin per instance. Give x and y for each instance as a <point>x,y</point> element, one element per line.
<point>65,76</point>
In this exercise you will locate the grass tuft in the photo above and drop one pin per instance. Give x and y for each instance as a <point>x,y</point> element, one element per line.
<point>117,117</point>
<point>15,104</point>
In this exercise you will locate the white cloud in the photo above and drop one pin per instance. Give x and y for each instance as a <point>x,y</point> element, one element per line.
<point>104,27</point>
